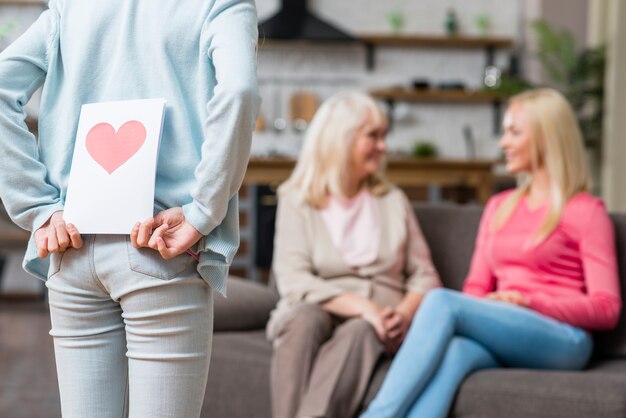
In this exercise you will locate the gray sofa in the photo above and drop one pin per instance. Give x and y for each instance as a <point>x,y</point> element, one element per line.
<point>239,377</point>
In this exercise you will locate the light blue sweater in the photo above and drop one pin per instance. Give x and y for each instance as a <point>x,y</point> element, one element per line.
<point>198,54</point>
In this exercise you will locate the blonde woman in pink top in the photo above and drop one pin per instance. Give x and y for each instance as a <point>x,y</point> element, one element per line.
<point>350,263</point>
<point>542,276</point>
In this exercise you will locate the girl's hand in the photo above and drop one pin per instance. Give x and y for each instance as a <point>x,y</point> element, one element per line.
<point>168,233</point>
<point>511,296</point>
<point>56,237</point>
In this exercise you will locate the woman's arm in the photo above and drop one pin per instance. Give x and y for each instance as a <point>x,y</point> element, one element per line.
<point>348,305</point>
<point>600,306</point>
<point>29,198</point>
<point>230,37</point>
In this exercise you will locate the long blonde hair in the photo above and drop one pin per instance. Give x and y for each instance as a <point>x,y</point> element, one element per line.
<point>556,141</point>
<point>323,166</point>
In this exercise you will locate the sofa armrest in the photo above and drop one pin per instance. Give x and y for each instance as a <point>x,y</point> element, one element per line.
<point>246,308</point>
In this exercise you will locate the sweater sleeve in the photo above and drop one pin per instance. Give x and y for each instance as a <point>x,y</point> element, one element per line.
<point>599,308</point>
<point>480,279</point>
<point>230,36</point>
<point>422,275</point>
<point>292,261</point>
<point>24,187</point>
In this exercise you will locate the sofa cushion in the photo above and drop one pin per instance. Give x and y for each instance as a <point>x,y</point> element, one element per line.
<point>613,343</point>
<point>247,306</point>
<point>239,376</point>
<point>520,393</point>
<point>450,231</point>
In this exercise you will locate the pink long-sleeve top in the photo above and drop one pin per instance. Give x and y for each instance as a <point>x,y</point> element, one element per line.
<point>570,276</point>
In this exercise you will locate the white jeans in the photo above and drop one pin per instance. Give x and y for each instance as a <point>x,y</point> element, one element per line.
<point>132,332</point>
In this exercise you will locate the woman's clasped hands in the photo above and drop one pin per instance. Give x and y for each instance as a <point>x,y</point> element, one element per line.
<point>390,324</point>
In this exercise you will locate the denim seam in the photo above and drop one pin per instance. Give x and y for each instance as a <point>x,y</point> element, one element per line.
<point>92,265</point>
<point>125,405</point>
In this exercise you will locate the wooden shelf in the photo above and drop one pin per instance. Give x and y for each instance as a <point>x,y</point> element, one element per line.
<point>433,41</point>
<point>269,42</point>
<point>426,41</point>
<point>437,95</point>
<point>23,2</point>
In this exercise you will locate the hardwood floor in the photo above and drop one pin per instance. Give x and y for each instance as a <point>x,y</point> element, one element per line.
<point>28,385</point>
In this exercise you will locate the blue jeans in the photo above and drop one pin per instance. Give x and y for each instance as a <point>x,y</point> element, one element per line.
<point>453,335</point>
<point>132,332</point>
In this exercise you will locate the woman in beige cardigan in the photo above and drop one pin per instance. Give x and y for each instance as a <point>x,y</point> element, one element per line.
<point>350,263</point>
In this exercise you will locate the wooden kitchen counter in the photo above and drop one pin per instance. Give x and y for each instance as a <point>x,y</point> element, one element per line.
<point>404,172</point>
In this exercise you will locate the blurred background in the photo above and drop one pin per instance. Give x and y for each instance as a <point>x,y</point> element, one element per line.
<point>442,70</point>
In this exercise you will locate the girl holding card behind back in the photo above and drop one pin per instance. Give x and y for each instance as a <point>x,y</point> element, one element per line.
<point>132,314</point>
<point>542,276</point>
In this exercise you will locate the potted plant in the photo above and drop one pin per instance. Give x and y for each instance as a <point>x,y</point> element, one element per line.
<point>578,74</point>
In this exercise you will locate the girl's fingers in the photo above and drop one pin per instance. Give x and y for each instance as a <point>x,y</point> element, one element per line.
<point>166,253</point>
<point>42,247</point>
<point>53,243</point>
<point>133,235</point>
<point>63,237</point>
<point>75,238</point>
<point>145,230</point>
<point>158,233</point>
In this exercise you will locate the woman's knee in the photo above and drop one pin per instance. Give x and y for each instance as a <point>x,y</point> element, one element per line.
<point>357,328</point>
<point>309,320</point>
<point>440,297</point>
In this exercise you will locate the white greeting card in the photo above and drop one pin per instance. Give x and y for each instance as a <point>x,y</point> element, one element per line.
<point>111,184</point>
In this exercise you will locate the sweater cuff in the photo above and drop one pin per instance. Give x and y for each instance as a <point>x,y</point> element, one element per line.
<point>43,214</point>
<point>198,219</point>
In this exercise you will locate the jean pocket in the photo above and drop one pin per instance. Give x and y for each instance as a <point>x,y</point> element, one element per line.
<point>149,262</point>
<point>55,263</point>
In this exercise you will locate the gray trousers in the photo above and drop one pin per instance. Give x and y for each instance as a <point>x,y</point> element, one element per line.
<point>132,332</point>
<point>322,367</point>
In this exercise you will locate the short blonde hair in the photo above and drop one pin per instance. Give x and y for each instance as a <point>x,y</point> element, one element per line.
<point>556,141</point>
<point>323,166</point>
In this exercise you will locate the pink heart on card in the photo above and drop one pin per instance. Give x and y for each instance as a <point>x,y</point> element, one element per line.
<point>111,149</point>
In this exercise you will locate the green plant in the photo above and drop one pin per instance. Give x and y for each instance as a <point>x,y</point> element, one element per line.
<point>424,150</point>
<point>578,74</point>
<point>5,29</point>
<point>396,20</point>
<point>509,86</point>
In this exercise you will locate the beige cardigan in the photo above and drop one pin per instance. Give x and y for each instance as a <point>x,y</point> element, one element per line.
<point>308,268</point>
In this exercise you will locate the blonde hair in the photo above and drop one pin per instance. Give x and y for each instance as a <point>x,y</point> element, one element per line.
<point>323,166</point>
<point>556,142</point>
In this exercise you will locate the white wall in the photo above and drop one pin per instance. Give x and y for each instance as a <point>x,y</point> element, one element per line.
<point>614,169</point>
